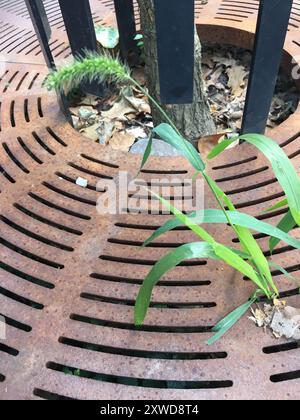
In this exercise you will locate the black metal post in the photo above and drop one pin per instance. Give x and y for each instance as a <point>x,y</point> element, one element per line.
<point>43,31</point>
<point>79,24</point>
<point>42,28</point>
<point>271,31</point>
<point>175,26</point>
<point>127,29</point>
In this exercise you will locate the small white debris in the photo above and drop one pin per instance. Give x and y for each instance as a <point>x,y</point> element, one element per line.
<point>82,182</point>
<point>137,132</point>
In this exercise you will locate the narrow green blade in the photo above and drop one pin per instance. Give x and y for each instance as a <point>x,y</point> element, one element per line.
<point>277,206</point>
<point>219,148</point>
<point>168,262</point>
<point>272,264</point>
<point>170,136</point>
<point>237,218</point>
<point>225,253</point>
<point>282,167</point>
<point>285,225</point>
<point>147,153</point>
<point>229,321</point>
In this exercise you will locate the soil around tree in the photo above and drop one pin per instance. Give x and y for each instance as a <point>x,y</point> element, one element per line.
<point>122,118</point>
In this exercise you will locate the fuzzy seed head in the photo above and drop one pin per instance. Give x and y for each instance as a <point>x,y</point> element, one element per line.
<point>92,67</point>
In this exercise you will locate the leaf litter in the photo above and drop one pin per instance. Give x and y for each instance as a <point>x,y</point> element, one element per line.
<point>122,118</point>
<point>226,71</point>
<point>280,319</point>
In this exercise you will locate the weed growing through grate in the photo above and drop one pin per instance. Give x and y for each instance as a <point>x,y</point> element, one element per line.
<point>249,259</point>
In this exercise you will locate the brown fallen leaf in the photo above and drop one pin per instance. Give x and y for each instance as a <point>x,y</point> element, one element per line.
<point>122,141</point>
<point>119,110</point>
<point>75,121</point>
<point>215,76</point>
<point>89,100</point>
<point>236,82</point>
<point>76,110</point>
<point>139,104</point>
<point>105,131</point>
<point>91,132</point>
<point>207,143</point>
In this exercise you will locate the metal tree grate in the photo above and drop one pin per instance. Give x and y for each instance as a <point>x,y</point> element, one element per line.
<point>69,278</point>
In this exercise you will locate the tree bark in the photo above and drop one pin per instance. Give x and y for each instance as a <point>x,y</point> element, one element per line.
<point>193,120</point>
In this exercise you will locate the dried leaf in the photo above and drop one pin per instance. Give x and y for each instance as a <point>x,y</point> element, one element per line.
<point>137,132</point>
<point>119,110</point>
<point>105,131</point>
<point>207,143</point>
<point>122,141</point>
<point>91,132</point>
<point>282,320</point>
<point>75,121</point>
<point>215,76</point>
<point>236,82</point>
<point>139,104</point>
<point>89,100</point>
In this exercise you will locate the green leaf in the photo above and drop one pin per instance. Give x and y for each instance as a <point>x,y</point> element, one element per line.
<point>170,136</point>
<point>138,37</point>
<point>219,148</point>
<point>229,321</point>
<point>232,259</point>
<point>251,246</point>
<point>225,253</point>
<point>246,239</point>
<point>219,193</point>
<point>107,36</point>
<point>272,264</point>
<point>237,218</point>
<point>282,167</point>
<point>168,262</point>
<point>147,153</point>
<point>277,206</point>
<point>185,220</point>
<point>285,225</point>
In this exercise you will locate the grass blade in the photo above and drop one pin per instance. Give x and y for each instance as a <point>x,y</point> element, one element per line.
<point>170,136</point>
<point>285,225</point>
<point>237,218</point>
<point>277,206</point>
<point>225,253</point>
<point>272,264</point>
<point>282,167</point>
<point>167,263</point>
<point>219,148</point>
<point>232,259</point>
<point>185,220</point>
<point>147,153</point>
<point>229,321</point>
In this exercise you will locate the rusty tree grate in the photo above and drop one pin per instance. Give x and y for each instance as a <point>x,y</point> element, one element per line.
<point>68,277</point>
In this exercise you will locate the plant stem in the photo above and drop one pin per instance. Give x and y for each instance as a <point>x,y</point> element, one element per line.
<point>168,119</point>
<point>161,110</point>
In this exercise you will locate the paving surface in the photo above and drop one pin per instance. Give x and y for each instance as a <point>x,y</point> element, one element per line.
<point>69,277</point>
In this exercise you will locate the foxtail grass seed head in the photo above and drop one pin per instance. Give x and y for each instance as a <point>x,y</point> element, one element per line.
<point>92,67</point>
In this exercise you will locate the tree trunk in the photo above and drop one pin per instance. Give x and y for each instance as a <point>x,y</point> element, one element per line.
<point>193,120</point>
